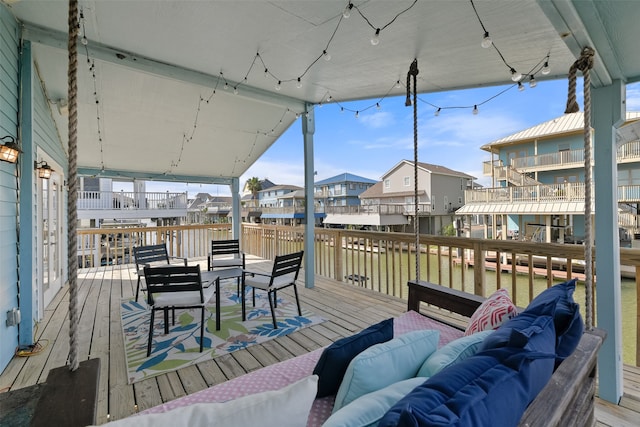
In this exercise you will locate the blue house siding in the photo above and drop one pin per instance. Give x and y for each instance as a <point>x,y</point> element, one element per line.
<point>9,77</point>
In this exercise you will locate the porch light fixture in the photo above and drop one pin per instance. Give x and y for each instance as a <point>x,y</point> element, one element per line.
<point>44,170</point>
<point>9,149</point>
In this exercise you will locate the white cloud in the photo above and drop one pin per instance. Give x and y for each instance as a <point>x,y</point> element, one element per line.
<point>377,120</point>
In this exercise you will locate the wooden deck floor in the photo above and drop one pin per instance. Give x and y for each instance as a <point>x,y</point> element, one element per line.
<point>348,309</point>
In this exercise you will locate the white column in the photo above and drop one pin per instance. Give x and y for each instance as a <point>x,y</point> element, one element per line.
<point>235,208</point>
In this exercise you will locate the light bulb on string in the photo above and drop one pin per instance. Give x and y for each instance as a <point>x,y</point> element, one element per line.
<point>299,83</point>
<point>532,81</point>
<point>376,38</point>
<point>520,86</point>
<point>398,85</point>
<point>342,109</point>
<point>357,114</point>
<point>266,72</point>
<point>515,76</point>
<point>378,106</point>
<point>437,113</point>
<point>546,70</point>
<point>235,90</point>
<point>226,86</point>
<point>329,98</point>
<point>327,56</point>
<point>486,40</point>
<point>347,11</point>
<point>279,85</point>
<point>475,110</point>
<point>84,40</point>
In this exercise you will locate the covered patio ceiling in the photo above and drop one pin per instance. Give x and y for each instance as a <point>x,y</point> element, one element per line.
<point>152,100</point>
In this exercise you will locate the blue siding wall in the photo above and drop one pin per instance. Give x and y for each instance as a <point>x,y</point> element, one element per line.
<point>9,65</point>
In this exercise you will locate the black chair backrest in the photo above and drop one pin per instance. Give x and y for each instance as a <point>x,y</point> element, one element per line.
<point>173,279</point>
<point>223,247</point>
<point>287,264</point>
<point>148,254</point>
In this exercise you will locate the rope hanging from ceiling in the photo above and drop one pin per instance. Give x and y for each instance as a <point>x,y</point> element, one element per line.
<point>72,199</point>
<point>585,64</point>
<point>413,72</point>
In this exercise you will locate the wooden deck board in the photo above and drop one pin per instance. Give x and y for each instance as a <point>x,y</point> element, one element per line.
<point>347,308</point>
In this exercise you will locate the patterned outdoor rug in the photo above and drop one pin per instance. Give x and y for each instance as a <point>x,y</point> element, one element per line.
<point>181,347</point>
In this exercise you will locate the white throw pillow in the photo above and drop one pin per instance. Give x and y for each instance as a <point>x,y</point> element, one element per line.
<point>287,407</point>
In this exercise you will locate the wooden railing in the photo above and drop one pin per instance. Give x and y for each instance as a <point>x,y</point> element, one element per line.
<point>385,262</point>
<point>125,200</point>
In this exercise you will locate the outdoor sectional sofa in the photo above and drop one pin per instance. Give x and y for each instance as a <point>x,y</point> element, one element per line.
<point>284,394</point>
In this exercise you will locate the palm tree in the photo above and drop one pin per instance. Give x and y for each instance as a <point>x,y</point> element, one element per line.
<point>253,185</point>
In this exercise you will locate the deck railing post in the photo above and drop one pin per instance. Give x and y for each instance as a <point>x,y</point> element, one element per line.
<point>478,271</point>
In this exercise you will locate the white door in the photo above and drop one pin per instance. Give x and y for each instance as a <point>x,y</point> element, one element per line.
<point>50,213</point>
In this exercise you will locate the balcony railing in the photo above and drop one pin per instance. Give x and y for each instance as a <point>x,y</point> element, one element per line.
<point>384,262</point>
<point>381,209</point>
<point>123,200</point>
<point>566,192</point>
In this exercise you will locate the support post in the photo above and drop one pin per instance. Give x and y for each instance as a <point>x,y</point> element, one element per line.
<point>308,129</point>
<point>608,113</point>
<point>235,208</point>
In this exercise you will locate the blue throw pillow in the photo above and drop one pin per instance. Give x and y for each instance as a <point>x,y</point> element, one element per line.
<point>472,393</point>
<point>336,357</point>
<point>567,319</point>
<point>532,331</point>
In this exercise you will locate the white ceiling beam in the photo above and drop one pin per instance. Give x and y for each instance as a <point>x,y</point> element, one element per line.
<point>58,39</point>
<point>566,20</point>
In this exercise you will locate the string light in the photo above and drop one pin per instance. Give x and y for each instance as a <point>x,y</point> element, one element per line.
<point>486,41</point>
<point>545,69</point>
<point>327,56</point>
<point>398,84</point>
<point>520,86</point>
<point>347,11</point>
<point>437,113</point>
<point>357,114</point>
<point>515,76</point>
<point>299,83</point>
<point>532,81</point>
<point>376,38</point>
<point>235,90</point>
<point>475,110</point>
<point>378,106</point>
<point>279,85</point>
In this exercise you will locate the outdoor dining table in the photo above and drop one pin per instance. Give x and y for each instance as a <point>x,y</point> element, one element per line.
<point>213,278</point>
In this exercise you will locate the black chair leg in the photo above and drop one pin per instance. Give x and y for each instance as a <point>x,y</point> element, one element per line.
<point>166,320</point>
<point>201,327</point>
<point>275,298</point>
<point>150,332</point>
<point>254,296</point>
<point>138,288</point>
<point>295,291</point>
<point>244,309</point>
<point>273,314</point>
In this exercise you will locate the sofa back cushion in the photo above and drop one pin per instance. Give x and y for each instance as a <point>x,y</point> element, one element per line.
<point>452,353</point>
<point>386,363</point>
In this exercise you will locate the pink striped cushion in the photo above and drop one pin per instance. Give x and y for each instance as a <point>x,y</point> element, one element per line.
<point>492,313</point>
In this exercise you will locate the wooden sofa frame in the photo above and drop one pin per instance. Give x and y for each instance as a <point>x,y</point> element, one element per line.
<point>568,397</point>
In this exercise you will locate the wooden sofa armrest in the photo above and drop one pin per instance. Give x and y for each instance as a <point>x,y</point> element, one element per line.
<point>453,300</point>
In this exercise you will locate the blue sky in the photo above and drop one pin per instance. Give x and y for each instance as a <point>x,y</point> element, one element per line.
<point>378,139</point>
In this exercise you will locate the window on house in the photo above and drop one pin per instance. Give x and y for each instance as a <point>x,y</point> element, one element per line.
<point>407,181</point>
<point>387,183</point>
<point>352,186</point>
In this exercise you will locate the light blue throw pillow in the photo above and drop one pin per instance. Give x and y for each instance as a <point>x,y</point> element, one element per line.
<point>452,353</point>
<point>368,410</point>
<point>384,364</point>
